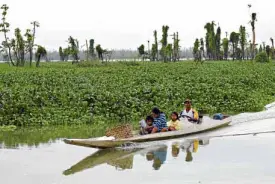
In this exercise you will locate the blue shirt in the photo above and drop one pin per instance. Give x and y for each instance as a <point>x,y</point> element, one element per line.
<point>161,154</point>
<point>160,122</point>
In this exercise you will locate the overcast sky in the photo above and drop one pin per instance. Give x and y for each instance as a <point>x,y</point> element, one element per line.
<point>125,24</point>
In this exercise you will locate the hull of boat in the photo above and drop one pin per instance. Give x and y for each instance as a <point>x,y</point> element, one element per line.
<point>208,124</point>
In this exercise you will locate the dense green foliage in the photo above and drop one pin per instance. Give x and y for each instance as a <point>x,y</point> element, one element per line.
<point>262,57</point>
<point>62,93</point>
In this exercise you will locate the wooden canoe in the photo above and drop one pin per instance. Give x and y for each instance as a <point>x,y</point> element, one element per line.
<point>207,124</point>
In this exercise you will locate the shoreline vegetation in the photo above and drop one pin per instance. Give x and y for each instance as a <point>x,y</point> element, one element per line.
<point>101,94</point>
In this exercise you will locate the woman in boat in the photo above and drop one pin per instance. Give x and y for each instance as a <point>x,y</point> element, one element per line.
<point>159,124</point>
<point>174,123</point>
<point>188,112</point>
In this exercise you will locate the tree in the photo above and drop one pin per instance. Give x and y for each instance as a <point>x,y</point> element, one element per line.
<point>225,45</point>
<point>92,48</point>
<point>218,43</point>
<point>210,40</point>
<point>176,47</point>
<point>35,25</point>
<point>268,51</point>
<point>99,51</point>
<point>202,47</point>
<point>234,39</point>
<point>4,27</point>
<point>207,39</point>
<point>263,45</point>
<point>154,52</point>
<point>40,53</point>
<point>4,53</point>
<point>272,48</point>
<point>156,44</point>
<point>261,48</point>
<point>66,54</point>
<point>169,52</point>
<point>61,54</point>
<point>213,40</point>
<point>262,57</point>
<point>242,33</point>
<point>252,22</point>
<point>18,46</point>
<point>74,48</point>
<point>141,51</point>
<point>196,52</point>
<point>164,42</point>
<point>107,54</point>
<point>238,53</point>
<point>29,42</point>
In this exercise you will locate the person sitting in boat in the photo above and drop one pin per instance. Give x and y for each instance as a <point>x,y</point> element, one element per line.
<point>146,126</point>
<point>190,113</point>
<point>174,123</point>
<point>159,123</point>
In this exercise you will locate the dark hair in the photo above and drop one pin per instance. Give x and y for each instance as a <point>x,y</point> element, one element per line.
<point>175,113</point>
<point>148,118</point>
<point>155,110</point>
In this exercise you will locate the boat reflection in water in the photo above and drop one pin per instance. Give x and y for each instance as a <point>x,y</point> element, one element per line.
<point>123,159</point>
<point>120,159</point>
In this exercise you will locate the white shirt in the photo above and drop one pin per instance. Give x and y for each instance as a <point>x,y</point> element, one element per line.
<point>189,113</point>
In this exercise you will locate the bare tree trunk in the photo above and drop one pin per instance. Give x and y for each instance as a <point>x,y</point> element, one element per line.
<point>38,60</point>
<point>253,44</point>
<point>243,53</point>
<point>87,54</point>
<point>234,52</point>
<point>33,37</point>
<point>30,51</point>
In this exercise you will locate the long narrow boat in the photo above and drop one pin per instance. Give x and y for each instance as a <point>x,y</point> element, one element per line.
<point>189,128</point>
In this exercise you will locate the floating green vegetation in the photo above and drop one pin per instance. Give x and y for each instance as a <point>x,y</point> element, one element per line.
<point>65,94</point>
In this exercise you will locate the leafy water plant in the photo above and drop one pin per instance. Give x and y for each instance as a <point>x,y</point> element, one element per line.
<point>65,94</point>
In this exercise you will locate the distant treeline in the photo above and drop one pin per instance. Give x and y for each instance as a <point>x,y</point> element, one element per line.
<point>185,53</point>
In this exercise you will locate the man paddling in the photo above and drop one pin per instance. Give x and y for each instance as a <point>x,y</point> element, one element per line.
<point>190,113</point>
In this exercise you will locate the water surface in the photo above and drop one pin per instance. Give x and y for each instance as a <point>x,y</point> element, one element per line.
<point>26,158</point>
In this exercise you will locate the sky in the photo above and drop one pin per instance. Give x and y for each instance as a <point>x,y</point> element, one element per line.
<point>126,24</point>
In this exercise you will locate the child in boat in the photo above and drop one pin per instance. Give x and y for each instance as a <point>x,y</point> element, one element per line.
<point>146,126</point>
<point>174,123</point>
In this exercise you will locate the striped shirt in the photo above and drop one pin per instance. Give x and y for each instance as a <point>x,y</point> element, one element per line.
<point>160,122</point>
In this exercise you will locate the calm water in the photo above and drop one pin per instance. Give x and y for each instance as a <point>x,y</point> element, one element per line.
<point>238,159</point>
